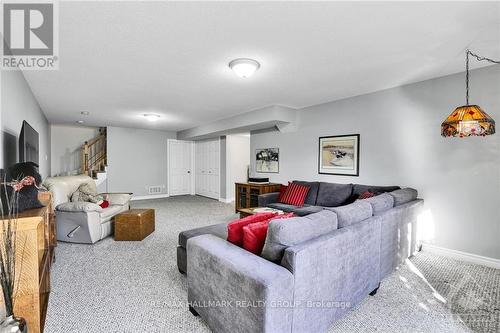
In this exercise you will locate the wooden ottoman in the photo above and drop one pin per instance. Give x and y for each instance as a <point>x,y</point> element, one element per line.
<point>134,224</point>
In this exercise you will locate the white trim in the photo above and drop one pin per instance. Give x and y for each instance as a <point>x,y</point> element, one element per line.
<point>147,197</point>
<point>464,256</point>
<point>228,200</point>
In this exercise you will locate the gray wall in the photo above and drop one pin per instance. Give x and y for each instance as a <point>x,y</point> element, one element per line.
<point>401,144</point>
<point>18,104</point>
<point>137,159</point>
<point>66,143</point>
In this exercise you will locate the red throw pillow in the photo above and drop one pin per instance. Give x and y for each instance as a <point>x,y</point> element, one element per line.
<point>295,194</point>
<point>254,235</point>
<point>235,228</point>
<point>366,195</point>
<point>104,204</point>
<point>282,192</point>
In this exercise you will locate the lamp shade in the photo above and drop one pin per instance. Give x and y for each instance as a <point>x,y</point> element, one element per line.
<point>468,120</point>
<point>244,67</point>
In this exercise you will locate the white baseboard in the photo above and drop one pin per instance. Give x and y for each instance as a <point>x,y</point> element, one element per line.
<point>228,200</point>
<point>147,197</point>
<point>464,256</point>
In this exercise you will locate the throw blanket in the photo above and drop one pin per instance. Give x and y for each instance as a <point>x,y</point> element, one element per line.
<point>86,193</point>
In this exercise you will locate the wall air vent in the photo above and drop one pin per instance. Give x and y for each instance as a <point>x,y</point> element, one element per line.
<point>154,189</point>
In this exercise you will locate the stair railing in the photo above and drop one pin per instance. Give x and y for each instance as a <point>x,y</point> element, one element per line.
<point>94,155</point>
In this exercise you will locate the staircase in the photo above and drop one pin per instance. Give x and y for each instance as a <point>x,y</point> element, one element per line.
<point>94,157</point>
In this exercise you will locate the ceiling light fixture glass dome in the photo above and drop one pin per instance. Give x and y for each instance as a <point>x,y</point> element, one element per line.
<point>152,117</point>
<point>244,67</point>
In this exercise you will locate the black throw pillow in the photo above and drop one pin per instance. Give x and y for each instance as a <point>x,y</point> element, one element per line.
<point>28,195</point>
<point>20,170</point>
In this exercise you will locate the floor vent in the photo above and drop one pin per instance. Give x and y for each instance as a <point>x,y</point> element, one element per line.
<point>154,190</point>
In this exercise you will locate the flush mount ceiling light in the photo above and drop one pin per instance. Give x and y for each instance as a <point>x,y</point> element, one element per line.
<point>79,121</point>
<point>152,117</point>
<point>468,120</point>
<point>84,113</point>
<point>244,67</point>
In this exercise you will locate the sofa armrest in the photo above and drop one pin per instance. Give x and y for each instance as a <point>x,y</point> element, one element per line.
<point>268,198</point>
<point>79,206</point>
<point>117,198</point>
<point>246,292</point>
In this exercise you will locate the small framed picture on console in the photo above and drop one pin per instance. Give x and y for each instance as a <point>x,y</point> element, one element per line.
<point>267,160</point>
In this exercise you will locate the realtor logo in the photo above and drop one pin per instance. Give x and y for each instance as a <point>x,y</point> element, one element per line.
<point>29,36</point>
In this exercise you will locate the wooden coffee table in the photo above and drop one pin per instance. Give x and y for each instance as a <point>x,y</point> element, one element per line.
<point>244,212</point>
<point>134,224</point>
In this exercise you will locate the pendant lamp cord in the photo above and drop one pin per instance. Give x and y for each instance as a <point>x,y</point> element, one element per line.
<point>478,58</point>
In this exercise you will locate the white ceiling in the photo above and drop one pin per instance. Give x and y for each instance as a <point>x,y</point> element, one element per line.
<point>119,60</point>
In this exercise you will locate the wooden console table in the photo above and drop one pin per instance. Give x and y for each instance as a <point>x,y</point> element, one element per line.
<point>247,194</point>
<point>35,243</point>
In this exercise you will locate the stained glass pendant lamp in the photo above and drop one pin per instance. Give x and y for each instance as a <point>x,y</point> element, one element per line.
<point>469,120</point>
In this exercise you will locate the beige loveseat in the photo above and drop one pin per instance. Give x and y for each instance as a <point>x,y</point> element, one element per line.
<point>83,222</point>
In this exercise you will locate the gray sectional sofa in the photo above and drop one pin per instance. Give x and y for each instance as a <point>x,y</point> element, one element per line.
<point>322,194</point>
<point>313,268</point>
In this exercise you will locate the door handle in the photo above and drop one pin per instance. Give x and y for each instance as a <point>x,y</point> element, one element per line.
<point>189,171</point>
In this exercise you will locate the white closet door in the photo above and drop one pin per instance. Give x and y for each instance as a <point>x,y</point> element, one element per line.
<point>198,173</point>
<point>207,168</point>
<point>214,169</point>
<point>206,156</point>
<point>216,158</point>
<point>179,167</point>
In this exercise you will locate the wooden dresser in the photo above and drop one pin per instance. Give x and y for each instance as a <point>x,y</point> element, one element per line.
<point>35,243</point>
<point>247,194</point>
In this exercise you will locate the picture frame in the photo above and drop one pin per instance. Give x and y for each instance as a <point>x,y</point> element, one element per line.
<point>267,160</point>
<point>339,155</point>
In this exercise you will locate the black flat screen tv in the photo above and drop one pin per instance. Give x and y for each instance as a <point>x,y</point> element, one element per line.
<point>28,144</point>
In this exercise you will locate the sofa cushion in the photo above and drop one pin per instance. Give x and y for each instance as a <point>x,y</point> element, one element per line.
<point>306,210</point>
<point>284,233</point>
<point>219,230</point>
<point>295,194</point>
<point>352,213</point>
<point>313,191</point>
<point>380,203</point>
<point>357,189</point>
<point>284,207</point>
<point>235,228</point>
<point>333,195</point>
<point>300,211</point>
<point>254,235</point>
<point>404,195</point>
